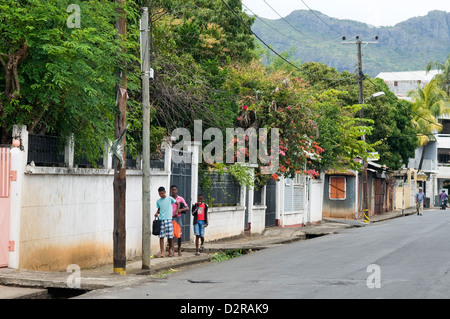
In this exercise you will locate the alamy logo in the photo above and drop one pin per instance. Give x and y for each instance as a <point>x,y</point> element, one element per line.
<point>238,145</point>
<point>74,20</point>
<point>74,279</point>
<point>374,279</point>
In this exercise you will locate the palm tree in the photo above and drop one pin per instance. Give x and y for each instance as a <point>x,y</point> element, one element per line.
<point>444,77</point>
<point>429,103</point>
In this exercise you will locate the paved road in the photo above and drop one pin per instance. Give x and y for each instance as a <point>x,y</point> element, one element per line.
<point>410,255</point>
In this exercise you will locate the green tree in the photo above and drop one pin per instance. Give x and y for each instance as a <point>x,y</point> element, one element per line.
<point>393,125</point>
<point>429,101</point>
<point>340,132</point>
<point>442,78</point>
<point>60,81</point>
<point>57,79</point>
<point>193,46</point>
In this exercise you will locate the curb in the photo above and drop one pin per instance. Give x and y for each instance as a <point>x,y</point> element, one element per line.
<point>157,268</point>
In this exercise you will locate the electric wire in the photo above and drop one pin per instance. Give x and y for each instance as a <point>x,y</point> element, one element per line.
<point>280,56</point>
<point>341,55</point>
<point>312,11</point>
<point>287,21</point>
<point>287,36</point>
<point>296,29</point>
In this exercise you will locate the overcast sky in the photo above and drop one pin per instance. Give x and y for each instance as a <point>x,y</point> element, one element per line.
<point>374,12</point>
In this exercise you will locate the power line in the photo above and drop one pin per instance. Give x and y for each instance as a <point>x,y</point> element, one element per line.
<point>312,11</point>
<point>293,27</point>
<point>280,56</point>
<point>287,36</point>
<point>269,24</point>
<point>288,21</point>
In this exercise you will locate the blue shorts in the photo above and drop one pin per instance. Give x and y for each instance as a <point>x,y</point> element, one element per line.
<point>166,228</point>
<point>199,228</point>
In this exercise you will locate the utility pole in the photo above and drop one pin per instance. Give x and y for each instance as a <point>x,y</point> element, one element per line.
<point>358,42</point>
<point>119,185</point>
<point>145,76</point>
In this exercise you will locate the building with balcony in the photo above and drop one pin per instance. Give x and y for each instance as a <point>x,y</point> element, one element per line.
<point>434,173</point>
<point>443,154</point>
<point>436,162</point>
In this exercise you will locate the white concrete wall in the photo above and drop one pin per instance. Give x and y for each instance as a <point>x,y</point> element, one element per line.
<point>258,219</point>
<point>224,222</point>
<point>67,216</point>
<point>293,218</point>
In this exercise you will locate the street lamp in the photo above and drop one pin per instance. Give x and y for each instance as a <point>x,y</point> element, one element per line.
<point>381,93</point>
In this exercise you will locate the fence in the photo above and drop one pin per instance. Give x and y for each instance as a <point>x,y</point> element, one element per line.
<point>45,150</point>
<point>258,195</point>
<point>82,161</point>
<point>219,189</point>
<point>52,151</point>
<point>157,160</point>
<point>130,161</point>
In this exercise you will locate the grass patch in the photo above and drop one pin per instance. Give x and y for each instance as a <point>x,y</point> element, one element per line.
<point>228,254</point>
<point>164,273</point>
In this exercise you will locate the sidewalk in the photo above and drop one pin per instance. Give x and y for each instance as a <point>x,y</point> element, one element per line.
<point>103,276</point>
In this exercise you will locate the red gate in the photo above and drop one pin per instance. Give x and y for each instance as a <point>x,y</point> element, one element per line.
<point>5,184</point>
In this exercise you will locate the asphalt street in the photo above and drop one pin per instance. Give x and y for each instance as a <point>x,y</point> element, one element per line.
<point>406,257</point>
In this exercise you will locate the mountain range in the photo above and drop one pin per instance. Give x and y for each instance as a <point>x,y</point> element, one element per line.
<point>313,36</point>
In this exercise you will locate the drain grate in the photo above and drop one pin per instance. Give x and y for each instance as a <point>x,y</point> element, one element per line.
<point>63,293</point>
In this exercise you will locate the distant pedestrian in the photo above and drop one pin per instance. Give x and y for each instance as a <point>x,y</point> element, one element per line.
<point>444,197</point>
<point>176,215</point>
<point>200,212</point>
<point>419,201</point>
<point>164,212</point>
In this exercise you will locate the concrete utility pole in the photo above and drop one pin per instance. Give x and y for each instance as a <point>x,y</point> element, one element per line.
<point>366,208</point>
<point>119,185</point>
<point>145,75</point>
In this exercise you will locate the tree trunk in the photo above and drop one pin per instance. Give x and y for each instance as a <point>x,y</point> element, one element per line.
<point>119,185</point>
<point>424,148</point>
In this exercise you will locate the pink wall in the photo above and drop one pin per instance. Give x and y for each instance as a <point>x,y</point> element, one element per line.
<point>5,184</point>
<point>4,232</point>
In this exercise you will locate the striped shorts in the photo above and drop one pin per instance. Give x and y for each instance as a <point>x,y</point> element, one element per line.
<point>166,228</point>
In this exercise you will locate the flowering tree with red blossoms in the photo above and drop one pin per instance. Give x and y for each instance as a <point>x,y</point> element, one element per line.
<point>276,99</point>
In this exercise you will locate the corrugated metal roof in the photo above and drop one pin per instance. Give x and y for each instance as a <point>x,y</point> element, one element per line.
<point>340,172</point>
<point>423,76</point>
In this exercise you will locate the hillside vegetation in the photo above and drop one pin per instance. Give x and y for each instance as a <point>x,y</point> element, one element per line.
<point>407,46</point>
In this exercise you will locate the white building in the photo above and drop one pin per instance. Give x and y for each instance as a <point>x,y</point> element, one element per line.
<point>400,83</point>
